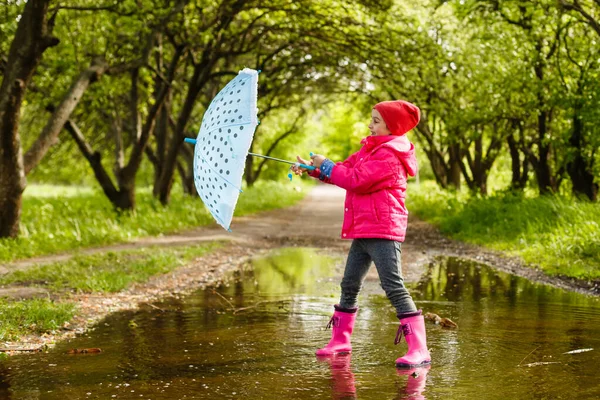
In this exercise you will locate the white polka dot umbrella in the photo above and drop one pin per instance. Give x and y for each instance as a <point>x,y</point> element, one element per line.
<point>222,145</point>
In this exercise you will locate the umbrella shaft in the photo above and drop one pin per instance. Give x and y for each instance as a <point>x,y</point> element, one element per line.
<point>280,160</point>
<point>271,158</point>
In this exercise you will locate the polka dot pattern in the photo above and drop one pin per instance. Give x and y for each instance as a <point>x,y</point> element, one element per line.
<point>222,145</point>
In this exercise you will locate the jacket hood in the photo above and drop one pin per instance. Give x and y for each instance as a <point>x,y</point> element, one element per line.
<point>399,145</point>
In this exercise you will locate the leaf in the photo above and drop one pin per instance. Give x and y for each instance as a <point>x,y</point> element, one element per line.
<point>443,322</point>
<point>85,351</point>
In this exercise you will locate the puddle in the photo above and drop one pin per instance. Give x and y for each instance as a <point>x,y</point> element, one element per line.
<point>256,339</point>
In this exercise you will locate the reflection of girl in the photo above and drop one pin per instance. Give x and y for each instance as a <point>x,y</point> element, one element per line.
<point>375,218</point>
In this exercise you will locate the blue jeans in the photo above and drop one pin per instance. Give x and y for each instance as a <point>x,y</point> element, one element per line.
<point>386,255</point>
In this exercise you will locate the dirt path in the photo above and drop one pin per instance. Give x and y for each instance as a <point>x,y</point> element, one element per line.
<point>315,222</point>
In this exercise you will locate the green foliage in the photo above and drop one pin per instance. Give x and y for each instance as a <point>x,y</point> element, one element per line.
<point>108,272</point>
<point>560,234</point>
<point>287,128</point>
<point>55,224</point>
<point>32,316</point>
<point>343,126</point>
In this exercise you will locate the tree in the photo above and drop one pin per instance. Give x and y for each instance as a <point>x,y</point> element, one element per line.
<point>577,64</point>
<point>32,37</point>
<point>127,118</point>
<point>298,46</point>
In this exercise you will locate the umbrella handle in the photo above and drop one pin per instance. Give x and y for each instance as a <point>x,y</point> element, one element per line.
<point>308,167</point>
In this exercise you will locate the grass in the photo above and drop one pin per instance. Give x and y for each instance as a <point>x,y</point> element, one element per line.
<point>100,273</point>
<point>32,316</point>
<point>107,272</point>
<point>559,234</point>
<point>56,220</point>
<point>65,219</point>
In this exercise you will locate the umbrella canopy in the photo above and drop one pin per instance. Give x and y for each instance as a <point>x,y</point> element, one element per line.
<point>222,145</point>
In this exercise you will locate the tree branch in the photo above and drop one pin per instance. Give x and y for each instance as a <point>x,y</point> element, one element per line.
<point>62,113</point>
<point>94,159</point>
<point>576,6</point>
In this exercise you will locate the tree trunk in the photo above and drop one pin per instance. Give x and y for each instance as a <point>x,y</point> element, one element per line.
<point>160,134</point>
<point>441,170</point>
<point>202,71</point>
<point>186,171</point>
<point>249,169</point>
<point>578,169</point>
<point>516,182</point>
<point>480,162</point>
<point>162,124</point>
<point>94,159</point>
<point>199,78</point>
<point>542,168</point>
<point>126,176</point>
<point>122,198</point>
<point>455,160</point>
<point>32,38</point>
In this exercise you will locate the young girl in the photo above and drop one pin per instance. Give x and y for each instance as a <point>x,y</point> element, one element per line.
<point>375,218</point>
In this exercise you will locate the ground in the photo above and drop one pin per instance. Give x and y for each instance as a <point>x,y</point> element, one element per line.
<point>314,222</point>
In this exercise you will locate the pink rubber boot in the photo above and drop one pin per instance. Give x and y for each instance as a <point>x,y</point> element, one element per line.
<point>342,324</point>
<point>412,325</point>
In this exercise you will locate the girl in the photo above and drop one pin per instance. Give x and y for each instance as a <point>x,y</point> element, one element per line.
<point>375,218</point>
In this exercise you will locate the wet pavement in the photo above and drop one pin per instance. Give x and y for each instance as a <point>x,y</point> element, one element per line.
<point>255,336</point>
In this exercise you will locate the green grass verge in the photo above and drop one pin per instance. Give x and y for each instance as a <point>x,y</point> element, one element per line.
<point>107,272</point>
<point>560,234</point>
<point>32,316</point>
<point>56,220</point>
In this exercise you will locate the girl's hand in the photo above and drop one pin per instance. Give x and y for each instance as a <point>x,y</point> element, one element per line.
<point>299,170</point>
<point>317,160</point>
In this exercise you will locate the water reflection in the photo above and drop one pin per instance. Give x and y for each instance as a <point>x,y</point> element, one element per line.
<point>343,384</point>
<point>505,324</point>
<point>255,337</point>
<point>416,380</point>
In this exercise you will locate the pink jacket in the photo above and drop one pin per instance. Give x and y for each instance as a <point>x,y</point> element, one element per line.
<point>375,183</point>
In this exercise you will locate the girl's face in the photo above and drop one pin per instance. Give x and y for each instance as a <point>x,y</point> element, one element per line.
<point>377,125</point>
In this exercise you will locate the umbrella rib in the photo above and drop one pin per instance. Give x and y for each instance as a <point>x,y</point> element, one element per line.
<point>219,175</point>
<point>212,130</point>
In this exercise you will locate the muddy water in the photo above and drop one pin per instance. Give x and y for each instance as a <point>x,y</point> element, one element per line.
<point>256,338</point>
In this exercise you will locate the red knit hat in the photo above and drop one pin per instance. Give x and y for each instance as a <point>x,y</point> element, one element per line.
<point>400,116</point>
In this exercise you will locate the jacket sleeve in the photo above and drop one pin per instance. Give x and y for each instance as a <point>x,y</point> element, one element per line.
<point>381,171</point>
<point>349,162</point>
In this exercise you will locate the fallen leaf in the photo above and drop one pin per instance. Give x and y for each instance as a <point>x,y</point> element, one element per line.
<point>448,323</point>
<point>84,351</point>
<point>443,322</point>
